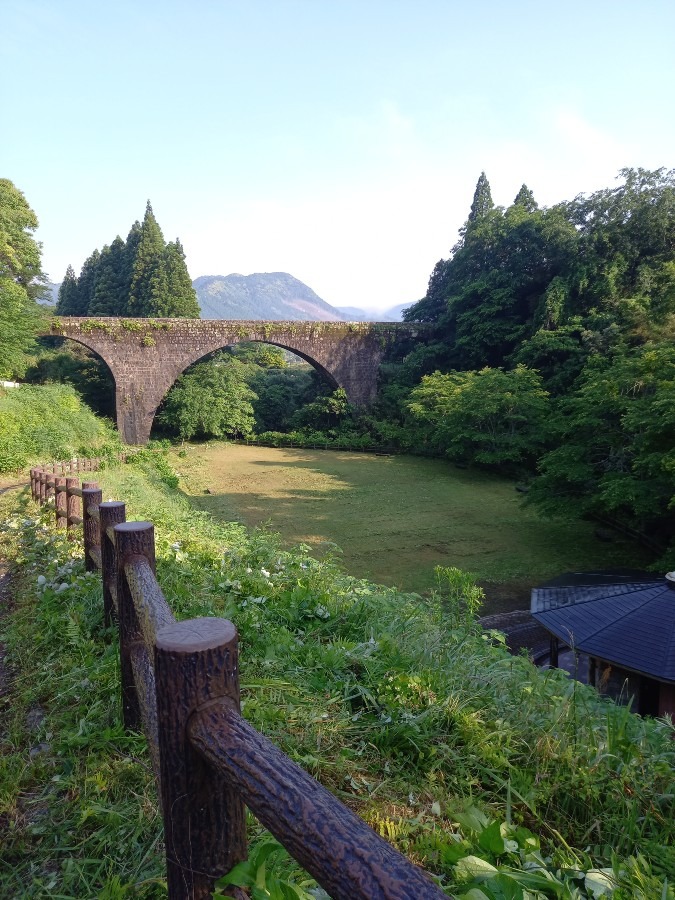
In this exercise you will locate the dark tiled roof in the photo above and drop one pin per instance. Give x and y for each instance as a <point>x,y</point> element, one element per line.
<point>629,624</point>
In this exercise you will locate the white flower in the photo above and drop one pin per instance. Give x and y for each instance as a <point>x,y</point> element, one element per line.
<point>176,545</point>
<point>264,573</point>
<point>41,580</point>
<point>62,587</point>
<point>249,570</point>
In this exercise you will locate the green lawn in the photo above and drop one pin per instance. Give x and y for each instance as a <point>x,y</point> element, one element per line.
<point>396,517</point>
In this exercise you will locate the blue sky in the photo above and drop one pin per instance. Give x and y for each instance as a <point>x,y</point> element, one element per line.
<point>336,140</point>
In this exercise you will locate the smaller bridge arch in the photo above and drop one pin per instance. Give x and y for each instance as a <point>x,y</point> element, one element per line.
<point>146,356</point>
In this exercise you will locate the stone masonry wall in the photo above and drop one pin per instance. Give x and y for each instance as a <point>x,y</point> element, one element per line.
<point>146,356</point>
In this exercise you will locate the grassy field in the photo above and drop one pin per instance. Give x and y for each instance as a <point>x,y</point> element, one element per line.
<point>459,753</point>
<point>396,517</point>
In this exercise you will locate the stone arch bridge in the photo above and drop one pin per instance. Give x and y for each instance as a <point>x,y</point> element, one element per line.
<point>146,356</point>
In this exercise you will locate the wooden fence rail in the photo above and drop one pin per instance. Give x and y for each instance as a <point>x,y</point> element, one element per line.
<point>180,685</point>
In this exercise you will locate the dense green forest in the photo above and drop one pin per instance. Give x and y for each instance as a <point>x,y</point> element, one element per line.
<point>552,349</point>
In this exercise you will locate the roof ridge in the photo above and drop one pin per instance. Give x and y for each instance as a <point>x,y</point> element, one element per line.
<point>635,585</point>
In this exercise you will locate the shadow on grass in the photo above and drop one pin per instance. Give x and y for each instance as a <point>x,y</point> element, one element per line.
<point>397,518</point>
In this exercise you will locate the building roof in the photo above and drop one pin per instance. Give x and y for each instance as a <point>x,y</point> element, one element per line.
<point>630,624</point>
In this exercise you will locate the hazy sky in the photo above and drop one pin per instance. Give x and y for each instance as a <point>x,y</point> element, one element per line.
<point>338,140</point>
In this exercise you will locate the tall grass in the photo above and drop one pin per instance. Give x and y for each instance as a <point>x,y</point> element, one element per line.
<point>446,744</point>
<point>49,422</point>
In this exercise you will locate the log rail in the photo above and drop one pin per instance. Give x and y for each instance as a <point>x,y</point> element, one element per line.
<point>180,685</point>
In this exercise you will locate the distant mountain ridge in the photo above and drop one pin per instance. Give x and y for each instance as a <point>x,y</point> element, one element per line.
<point>264,296</point>
<point>393,314</point>
<point>276,296</point>
<point>268,296</point>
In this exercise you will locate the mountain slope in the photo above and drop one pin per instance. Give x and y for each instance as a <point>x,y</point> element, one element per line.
<point>264,295</point>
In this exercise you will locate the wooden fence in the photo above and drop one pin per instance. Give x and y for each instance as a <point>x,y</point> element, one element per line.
<point>180,685</point>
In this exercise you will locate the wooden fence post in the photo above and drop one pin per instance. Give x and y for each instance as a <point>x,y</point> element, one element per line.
<point>32,483</point>
<point>61,502</point>
<point>72,500</point>
<point>91,496</point>
<point>49,486</point>
<point>110,514</point>
<point>196,661</point>
<point>131,539</point>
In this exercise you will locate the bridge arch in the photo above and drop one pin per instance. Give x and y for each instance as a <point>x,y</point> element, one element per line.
<point>146,356</point>
<point>61,358</point>
<point>324,373</point>
<point>330,378</point>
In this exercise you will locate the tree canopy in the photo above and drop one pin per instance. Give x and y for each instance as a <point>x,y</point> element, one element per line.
<point>21,279</point>
<point>142,276</point>
<point>580,295</point>
<point>491,417</point>
<point>211,399</point>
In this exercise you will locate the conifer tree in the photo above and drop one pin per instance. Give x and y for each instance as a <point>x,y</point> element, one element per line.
<point>525,198</point>
<point>86,283</point>
<point>149,282</point>
<point>111,291</point>
<point>482,200</point>
<point>141,276</point>
<point>130,251</point>
<point>181,300</point>
<point>68,304</point>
